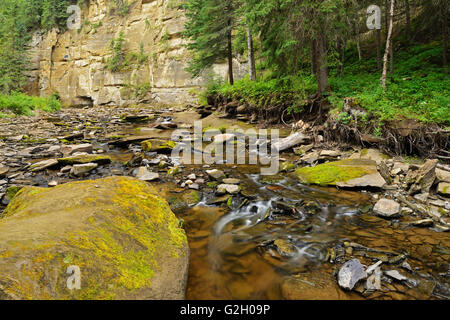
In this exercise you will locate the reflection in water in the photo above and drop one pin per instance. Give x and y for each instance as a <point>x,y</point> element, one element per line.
<point>277,246</point>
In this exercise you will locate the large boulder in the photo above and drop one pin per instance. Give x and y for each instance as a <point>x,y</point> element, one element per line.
<point>118,231</point>
<point>344,173</point>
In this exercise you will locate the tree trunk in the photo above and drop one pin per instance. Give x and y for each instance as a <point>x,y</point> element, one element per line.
<point>391,57</point>
<point>251,55</point>
<point>408,21</point>
<point>388,44</point>
<point>314,57</point>
<point>230,56</point>
<point>341,47</point>
<point>379,63</point>
<point>322,64</point>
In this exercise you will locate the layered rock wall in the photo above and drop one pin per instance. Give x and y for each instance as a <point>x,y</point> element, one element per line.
<point>73,63</point>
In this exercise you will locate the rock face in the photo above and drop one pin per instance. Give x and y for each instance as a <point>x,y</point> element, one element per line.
<point>344,173</point>
<point>386,208</point>
<point>73,63</point>
<point>121,235</point>
<point>350,273</point>
<point>424,177</point>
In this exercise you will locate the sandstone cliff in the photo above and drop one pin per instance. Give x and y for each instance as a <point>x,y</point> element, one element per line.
<point>73,62</point>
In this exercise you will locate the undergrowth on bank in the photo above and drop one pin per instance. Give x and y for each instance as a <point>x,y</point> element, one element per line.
<point>22,104</point>
<point>418,89</point>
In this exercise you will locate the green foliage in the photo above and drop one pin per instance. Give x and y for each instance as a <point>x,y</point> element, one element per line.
<point>209,24</point>
<point>121,7</point>
<point>120,60</point>
<point>23,104</point>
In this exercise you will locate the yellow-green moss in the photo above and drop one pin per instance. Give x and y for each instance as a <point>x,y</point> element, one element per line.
<point>155,145</point>
<point>333,172</point>
<point>122,241</point>
<point>82,159</point>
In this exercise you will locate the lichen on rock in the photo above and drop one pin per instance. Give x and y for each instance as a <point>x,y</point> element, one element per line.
<point>118,231</point>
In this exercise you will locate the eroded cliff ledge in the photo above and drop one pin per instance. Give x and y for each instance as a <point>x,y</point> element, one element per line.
<point>74,62</point>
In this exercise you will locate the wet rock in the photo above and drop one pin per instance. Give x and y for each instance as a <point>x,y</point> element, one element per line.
<point>394,274</point>
<point>53,183</point>
<point>192,176</point>
<point>223,138</point>
<point>68,150</point>
<point>173,171</point>
<point>422,197</point>
<point>87,158</point>
<point>231,181</point>
<point>287,166</point>
<point>216,174</point>
<point>3,182</point>
<point>311,157</point>
<point>329,154</point>
<point>227,188</point>
<point>370,154</point>
<point>400,167</point>
<point>89,221</point>
<point>42,165</point>
<point>219,200</point>
<point>3,170</point>
<point>374,281</point>
<point>343,173</point>
<point>442,175</point>
<point>285,247</point>
<point>194,186</point>
<point>145,175</point>
<point>158,145</point>
<point>82,169</point>
<point>350,273</point>
<point>386,208</point>
<point>66,169</point>
<point>424,177</point>
<point>444,188</point>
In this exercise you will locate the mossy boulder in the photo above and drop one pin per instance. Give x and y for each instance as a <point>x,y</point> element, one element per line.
<point>344,173</point>
<point>121,234</point>
<point>158,145</point>
<point>86,158</point>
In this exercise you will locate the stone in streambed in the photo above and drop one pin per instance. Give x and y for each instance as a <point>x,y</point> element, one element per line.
<point>387,208</point>
<point>158,145</point>
<point>444,189</point>
<point>119,231</point>
<point>86,158</point>
<point>82,169</point>
<point>424,177</point>
<point>228,188</point>
<point>68,150</point>
<point>42,165</point>
<point>216,174</point>
<point>344,173</point>
<point>145,175</point>
<point>350,273</point>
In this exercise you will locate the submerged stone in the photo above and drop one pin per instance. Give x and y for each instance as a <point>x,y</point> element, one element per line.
<point>350,273</point>
<point>386,208</point>
<point>118,231</point>
<point>344,173</point>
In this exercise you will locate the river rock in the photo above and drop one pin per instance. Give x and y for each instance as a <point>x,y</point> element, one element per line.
<point>82,169</point>
<point>158,145</point>
<point>68,150</point>
<point>350,273</point>
<point>344,173</point>
<point>3,170</point>
<point>424,177</point>
<point>231,181</point>
<point>370,154</point>
<point>216,174</point>
<point>145,175</point>
<point>118,232</point>
<point>444,188</point>
<point>394,274</point>
<point>223,138</point>
<point>227,188</point>
<point>85,158</point>
<point>386,208</point>
<point>42,165</point>
<point>441,175</point>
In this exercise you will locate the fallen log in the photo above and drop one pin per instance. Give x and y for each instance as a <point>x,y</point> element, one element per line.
<point>291,141</point>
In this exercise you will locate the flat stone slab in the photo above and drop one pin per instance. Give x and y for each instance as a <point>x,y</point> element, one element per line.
<point>387,208</point>
<point>349,173</point>
<point>350,273</point>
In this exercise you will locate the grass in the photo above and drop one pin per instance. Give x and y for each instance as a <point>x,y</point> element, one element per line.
<point>418,89</point>
<point>22,104</point>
